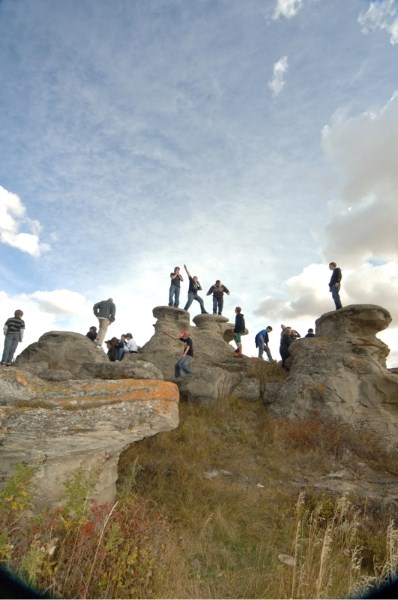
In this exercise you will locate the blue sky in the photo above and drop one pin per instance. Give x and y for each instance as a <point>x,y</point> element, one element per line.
<point>254,141</point>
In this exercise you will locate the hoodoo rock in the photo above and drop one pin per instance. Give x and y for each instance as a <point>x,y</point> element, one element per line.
<point>64,405</point>
<point>341,372</point>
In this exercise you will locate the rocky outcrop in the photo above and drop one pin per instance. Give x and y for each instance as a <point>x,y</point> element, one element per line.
<point>341,372</point>
<point>61,426</point>
<point>215,370</point>
<point>63,404</point>
<point>60,351</point>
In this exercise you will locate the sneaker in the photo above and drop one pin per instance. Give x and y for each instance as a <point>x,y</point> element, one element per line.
<point>236,351</point>
<point>238,355</point>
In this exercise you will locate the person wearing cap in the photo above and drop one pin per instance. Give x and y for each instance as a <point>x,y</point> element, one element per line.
<point>218,290</point>
<point>183,362</point>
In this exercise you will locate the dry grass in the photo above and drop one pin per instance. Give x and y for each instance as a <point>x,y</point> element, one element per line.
<point>230,531</point>
<point>208,510</point>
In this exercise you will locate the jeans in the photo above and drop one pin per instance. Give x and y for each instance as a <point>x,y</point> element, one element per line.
<point>121,352</point>
<point>103,328</point>
<point>10,345</point>
<point>183,365</point>
<point>174,291</point>
<point>218,303</point>
<point>336,297</point>
<point>194,296</point>
<point>266,350</point>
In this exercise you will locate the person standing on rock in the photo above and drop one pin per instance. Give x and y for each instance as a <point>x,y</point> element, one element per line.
<point>262,340</point>
<point>218,290</point>
<point>175,287</point>
<point>105,311</point>
<point>183,362</point>
<point>239,329</point>
<point>14,329</point>
<point>286,340</point>
<point>334,284</point>
<point>194,286</point>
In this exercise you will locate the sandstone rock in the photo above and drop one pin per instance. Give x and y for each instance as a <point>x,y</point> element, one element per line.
<point>60,351</point>
<point>341,372</point>
<point>131,367</point>
<point>214,374</point>
<point>62,426</point>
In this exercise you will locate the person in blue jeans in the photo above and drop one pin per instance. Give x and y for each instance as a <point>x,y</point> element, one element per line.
<point>183,362</point>
<point>14,329</point>
<point>335,283</point>
<point>175,286</point>
<point>194,286</point>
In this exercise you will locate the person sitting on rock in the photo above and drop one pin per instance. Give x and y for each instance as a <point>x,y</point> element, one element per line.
<point>310,333</point>
<point>194,286</point>
<point>183,362</point>
<point>113,346</point>
<point>218,290</point>
<point>92,333</point>
<point>130,346</point>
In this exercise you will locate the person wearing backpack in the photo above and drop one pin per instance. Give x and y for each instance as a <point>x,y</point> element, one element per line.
<point>262,340</point>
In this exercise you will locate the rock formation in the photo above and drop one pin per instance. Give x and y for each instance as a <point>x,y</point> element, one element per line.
<point>63,404</point>
<point>216,371</point>
<point>341,372</point>
<point>61,426</point>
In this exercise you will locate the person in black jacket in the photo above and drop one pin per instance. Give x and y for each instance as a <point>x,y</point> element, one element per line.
<point>286,340</point>
<point>334,284</point>
<point>239,329</point>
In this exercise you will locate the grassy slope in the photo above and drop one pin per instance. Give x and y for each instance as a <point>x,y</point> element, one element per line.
<point>226,532</point>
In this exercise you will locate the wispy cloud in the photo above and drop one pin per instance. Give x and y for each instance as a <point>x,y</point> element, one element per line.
<point>13,218</point>
<point>383,16</point>
<point>287,8</point>
<point>276,84</point>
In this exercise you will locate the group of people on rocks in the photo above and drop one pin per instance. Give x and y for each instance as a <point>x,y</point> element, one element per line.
<point>105,311</point>
<point>117,347</point>
<point>218,290</point>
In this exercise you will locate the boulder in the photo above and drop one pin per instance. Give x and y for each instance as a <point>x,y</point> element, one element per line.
<point>60,351</point>
<point>61,426</point>
<point>341,372</point>
<point>215,372</point>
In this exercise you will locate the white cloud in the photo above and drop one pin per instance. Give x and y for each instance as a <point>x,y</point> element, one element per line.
<point>12,218</point>
<point>306,296</point>
<point>364,219</point>
<point>381,15</point>
<point>361,234</point>
<point>287,8</point>
<point>277,82</point>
